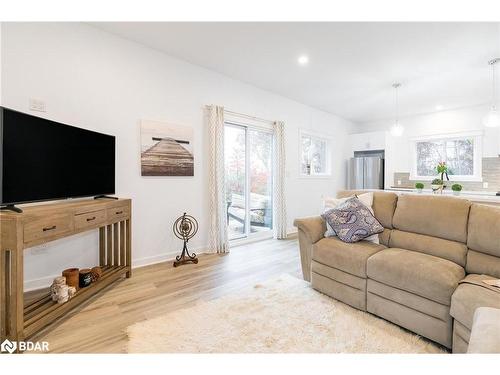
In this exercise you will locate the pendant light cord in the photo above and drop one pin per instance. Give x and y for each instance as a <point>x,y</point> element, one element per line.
<point>396,87</point>
<point>494,84</point>
<point>397,104</point>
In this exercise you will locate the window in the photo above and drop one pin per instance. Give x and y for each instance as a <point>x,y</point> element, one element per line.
<point>314,155</point>
<point>461,152</point>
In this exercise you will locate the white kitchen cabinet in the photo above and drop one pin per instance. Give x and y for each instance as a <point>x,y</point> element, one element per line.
<point>367,141</point>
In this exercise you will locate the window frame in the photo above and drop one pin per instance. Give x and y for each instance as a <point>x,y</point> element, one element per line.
<point>477,137</point>
<point>319,137</point>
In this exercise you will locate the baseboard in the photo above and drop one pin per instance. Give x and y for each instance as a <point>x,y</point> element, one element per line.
<point>147,261</point>
<point>294,233</point>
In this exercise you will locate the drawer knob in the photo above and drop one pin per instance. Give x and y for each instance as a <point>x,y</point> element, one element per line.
<point>91,218</point>
<point>118,212</point>
<point>49,228</point>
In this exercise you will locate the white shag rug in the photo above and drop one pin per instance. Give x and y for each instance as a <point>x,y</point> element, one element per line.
<point>283,315</point>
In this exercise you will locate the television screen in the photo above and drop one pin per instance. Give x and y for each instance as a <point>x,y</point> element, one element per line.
<point>46,160</point>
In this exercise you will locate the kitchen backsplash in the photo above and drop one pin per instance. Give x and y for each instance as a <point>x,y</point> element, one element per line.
<point>491,175</point>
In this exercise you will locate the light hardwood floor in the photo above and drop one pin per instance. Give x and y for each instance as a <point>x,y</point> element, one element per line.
<point>99,325</point>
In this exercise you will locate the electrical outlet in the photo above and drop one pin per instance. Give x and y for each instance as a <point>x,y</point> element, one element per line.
<point>399,182</point>
<point>485,185</point>
<point>37,105</point>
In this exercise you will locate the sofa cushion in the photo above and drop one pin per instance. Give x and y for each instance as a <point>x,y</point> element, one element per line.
<point>483,238</point>
<point>484,223</point>
<point>347,257</point>
<point>446,249</point>
<point>482,263</point>
<point>437,216</point>
<point>352,221</point>
<point>384,204</point>
<point>468,297</point>
<point>424,275</point>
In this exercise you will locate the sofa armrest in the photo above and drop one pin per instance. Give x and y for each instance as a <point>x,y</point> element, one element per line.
<point>314,227</point>
<point>485,333</point>
<point>311,230</point>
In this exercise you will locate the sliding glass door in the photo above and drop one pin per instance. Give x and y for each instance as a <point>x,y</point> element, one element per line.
<point>248,162</point>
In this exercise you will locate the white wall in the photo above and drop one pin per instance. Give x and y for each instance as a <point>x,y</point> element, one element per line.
<point>398,158</point>
<point>95,80</point>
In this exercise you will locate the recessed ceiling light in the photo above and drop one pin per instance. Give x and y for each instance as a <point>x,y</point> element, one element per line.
<point>439,107</point>
<point>303,60</point>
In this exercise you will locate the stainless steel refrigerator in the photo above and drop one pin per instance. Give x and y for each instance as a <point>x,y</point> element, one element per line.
<point>366,173</point>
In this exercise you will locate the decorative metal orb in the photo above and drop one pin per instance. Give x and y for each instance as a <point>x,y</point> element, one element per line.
<point>185,227</point>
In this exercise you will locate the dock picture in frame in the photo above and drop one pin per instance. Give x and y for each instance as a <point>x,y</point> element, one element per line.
<point>166,149</point>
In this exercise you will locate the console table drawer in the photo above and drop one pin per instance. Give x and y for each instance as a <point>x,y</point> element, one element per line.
<point>119,212</point>
<point>90,219</point>
<point>46,227</point>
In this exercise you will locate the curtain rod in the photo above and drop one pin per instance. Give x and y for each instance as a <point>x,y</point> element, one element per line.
<point>247,116</point>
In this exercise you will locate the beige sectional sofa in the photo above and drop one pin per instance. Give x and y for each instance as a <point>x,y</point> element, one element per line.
<point>429,244</point>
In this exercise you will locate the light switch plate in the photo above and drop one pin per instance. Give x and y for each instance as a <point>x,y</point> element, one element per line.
<point>485,185</point>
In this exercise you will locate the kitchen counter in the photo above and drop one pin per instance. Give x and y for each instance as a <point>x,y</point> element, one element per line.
<point>485,197</point>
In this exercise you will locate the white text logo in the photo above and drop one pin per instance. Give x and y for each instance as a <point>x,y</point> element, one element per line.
<point>11,346</point>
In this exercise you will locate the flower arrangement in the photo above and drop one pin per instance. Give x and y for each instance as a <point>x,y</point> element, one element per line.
<point>443,170</point>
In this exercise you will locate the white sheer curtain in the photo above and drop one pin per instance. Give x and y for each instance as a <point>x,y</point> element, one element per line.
<point>218,240</point>
<point>280,230</point>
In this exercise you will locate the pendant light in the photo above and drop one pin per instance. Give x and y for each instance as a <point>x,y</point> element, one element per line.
<point>492,118</point>
<point>397,129</point>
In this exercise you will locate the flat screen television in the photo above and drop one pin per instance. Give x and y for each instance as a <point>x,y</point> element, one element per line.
<point>46,160</point>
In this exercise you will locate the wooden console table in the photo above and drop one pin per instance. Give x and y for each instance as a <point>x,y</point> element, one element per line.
<point>39,224</point>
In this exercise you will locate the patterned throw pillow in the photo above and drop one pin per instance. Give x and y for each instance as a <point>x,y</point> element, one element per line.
<point>365,198</point>
<point>352,221</point>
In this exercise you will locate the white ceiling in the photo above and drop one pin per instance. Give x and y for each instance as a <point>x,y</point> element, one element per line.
<point>351,65</point>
